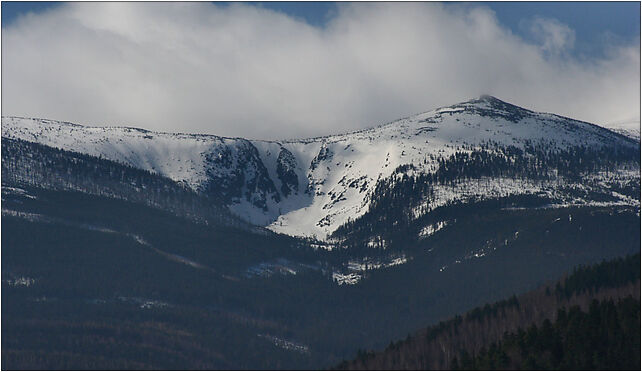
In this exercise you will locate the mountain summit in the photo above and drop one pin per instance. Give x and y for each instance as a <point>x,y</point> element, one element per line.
<point>311,187</point>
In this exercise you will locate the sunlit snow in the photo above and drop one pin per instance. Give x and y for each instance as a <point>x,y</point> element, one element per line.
<point>336,174</point>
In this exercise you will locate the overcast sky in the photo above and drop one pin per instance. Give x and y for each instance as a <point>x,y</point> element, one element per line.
<point>256,72</point>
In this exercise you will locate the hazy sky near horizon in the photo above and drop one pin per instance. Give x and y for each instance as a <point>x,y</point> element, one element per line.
<point>288,71</point>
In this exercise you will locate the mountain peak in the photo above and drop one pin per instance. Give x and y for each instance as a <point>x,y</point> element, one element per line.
<point>486,102</point>
<point>489,98</point>
<point>489,106</point>
<point>492,101</point>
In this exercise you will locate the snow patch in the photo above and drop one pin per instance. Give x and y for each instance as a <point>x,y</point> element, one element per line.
<point>355,270</point>
<point>286,344</point>
<point>432,229</point>
<point>22,281</point>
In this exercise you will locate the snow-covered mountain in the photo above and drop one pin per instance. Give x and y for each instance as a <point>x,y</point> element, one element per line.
<point>311,187</point>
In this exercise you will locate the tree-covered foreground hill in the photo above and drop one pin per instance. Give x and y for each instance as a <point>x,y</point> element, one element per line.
<point>589,320</point>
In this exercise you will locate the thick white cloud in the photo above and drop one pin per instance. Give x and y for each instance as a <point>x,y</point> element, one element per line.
<point>240,70</point>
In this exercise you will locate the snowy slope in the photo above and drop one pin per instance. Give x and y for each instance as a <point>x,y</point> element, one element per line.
<point>310,187</point>
<point>180,157</point>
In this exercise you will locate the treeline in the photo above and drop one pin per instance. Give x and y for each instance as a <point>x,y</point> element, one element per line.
<point>28,163</point>
<point>398,199</point>
<point>537,161</point>
<point>467,341</point>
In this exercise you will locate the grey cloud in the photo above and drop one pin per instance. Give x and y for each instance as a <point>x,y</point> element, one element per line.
<point>246,71</point>
<point>554,37</point>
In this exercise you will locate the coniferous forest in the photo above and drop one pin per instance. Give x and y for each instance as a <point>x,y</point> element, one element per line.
<point>606,337</point>
<point>588,320</point>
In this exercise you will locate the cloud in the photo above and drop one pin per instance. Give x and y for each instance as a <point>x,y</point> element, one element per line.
<point>241,70</point>
<point>555,37</point>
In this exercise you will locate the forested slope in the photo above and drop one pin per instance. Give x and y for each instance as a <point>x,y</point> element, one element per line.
<point>587,320</point>
<point>33,164</point>
<point>606,337</point>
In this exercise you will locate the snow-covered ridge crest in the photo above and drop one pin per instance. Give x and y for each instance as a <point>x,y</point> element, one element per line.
<point>312,186</point>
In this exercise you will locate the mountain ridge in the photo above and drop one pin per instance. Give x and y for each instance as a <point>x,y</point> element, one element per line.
<point>481,99</point>
<point>312,186</point>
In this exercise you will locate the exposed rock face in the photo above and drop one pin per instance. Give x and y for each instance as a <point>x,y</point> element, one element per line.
<point>286,171</point>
